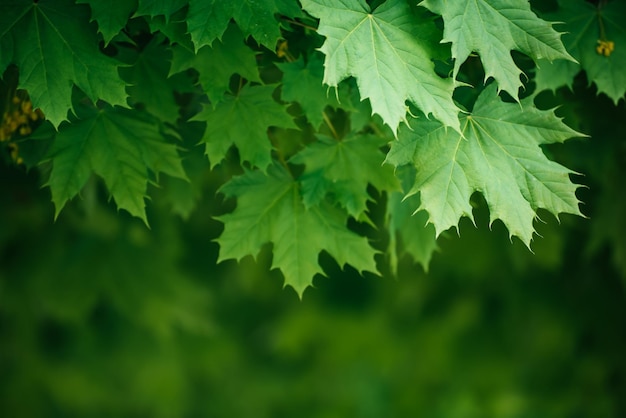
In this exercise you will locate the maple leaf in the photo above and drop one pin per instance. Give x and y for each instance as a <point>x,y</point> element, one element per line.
<point>409,231</point>
<point>331,168</point>
<point>208,19</point>
<point>217,64</point>
<point>302,83</point>
<point>586,26</point>
<point>243,120</point>
<point>388,53</point>
<point>270,210</point>
<point>149,83</point>
<point>41,39</point>
<point>154,8</point>
<point>493,28</point>
<point>117,144</point>
<point>497,154</point>
<point>111,15</point>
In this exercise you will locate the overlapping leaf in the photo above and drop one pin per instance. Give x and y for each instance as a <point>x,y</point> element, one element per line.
<point>111,15</point>
<point>54,46</point>
<point>302,83</point>
<point>149,83</point>
<point>586,27</point>
<point>409,232</point>
<point>164,8</point>
<point>243,120</point>
<point>344,169</point>
<point>498,155</point>
<point>118,145</point>
<point>208,19</point>
<point>270,210</point>
<point>493,28</point>
<point>389,51</point>
<point>216,64</point>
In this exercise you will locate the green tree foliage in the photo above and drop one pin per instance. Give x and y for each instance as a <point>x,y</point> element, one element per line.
<point>165,165</point>
<point>252,74</point>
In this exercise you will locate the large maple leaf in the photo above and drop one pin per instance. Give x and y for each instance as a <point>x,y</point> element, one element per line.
<point>117,144</point>
<point>588,25</point>
<point>344,169</point>
<point>493,28</point>
<point>208,19</point>
<point>499,155</point>
<point>54,46</point>
<point>270,210</point>
<point>243,120</point>
<point>389,51</point>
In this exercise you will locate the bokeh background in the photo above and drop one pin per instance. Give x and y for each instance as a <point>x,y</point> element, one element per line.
<point>103,317</point>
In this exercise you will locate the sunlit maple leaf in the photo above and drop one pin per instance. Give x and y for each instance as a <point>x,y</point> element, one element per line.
<point>498,155</point>
<point>493,28</point>
<point>389,52</point>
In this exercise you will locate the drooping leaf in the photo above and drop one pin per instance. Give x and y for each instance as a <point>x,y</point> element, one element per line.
<point>216,64</point>
<point>208,19</point>
<point>344,169</point>
<point>493,28</point>
<point>587,26</point>
<point>270,210</point>
<point>302,83</point>
<point>499,155</point>
<point>111,15</point>
<point>387,51</point>
<point>42,40</point>
<point>409,231</point>
<point>118,145</point>
<point>149,84</point>
<point>243,120</point>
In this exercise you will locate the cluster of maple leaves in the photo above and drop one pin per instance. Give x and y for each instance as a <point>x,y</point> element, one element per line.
<point>344,88</point>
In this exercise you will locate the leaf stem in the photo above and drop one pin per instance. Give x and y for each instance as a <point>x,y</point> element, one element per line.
<point>330,125</point>
<point>295,22</point>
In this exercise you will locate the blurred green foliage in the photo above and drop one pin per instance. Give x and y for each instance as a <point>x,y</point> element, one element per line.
<point>102,317</point>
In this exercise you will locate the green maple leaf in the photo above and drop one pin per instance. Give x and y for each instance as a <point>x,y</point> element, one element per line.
<point>111,15</point>
<point>302,83</point>
<point>54,46</point>
<point>208,19</point>
<point>117,144</point>
<point>499,155</point>
<point>270,210</point>
<point>389,52</point>
<point>493,28</point>
<point>174,30</point>
<point>149,83</point>
<point>344,169</point>
<point>216,64</point>
<point>585,25</point>
<point>243,120</point>
<point>409,231</point>
<point>154,8</point>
